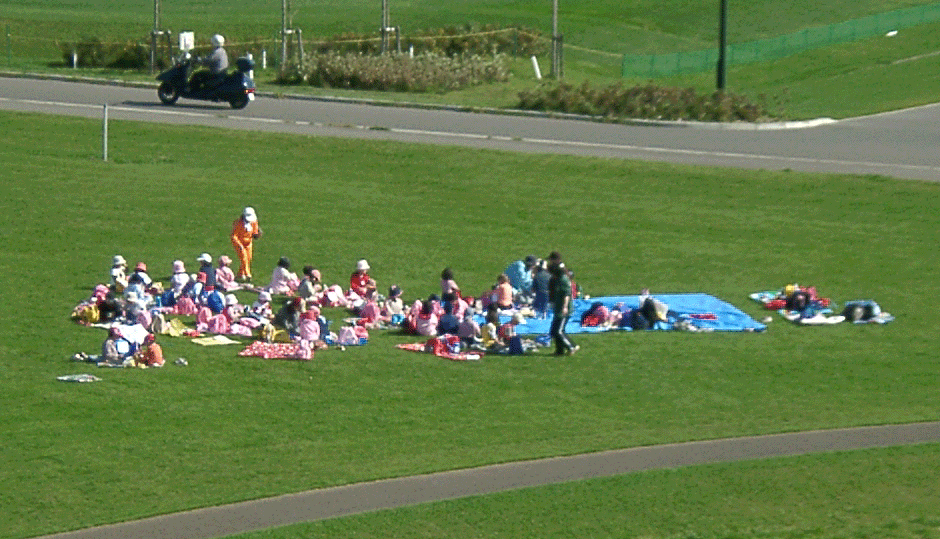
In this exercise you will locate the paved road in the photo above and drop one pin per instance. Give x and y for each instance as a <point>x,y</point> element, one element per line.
<point>363,497</point>
<point>899,144</point>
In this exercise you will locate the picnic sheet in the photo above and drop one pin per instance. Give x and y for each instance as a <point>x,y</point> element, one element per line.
<point>133,333</point>
<point>278,350</point>
<point>214,340</point>
<point>461,356</point>
<point>702,311</point>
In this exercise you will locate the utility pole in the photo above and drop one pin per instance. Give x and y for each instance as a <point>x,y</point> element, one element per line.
<point>154,35</point>
<point>722,44</point>
<point>283,34</point>
<point>386,22</point>
<point>557,71</point>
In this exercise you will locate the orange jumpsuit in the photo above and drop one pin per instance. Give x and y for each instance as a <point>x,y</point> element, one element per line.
<point>242,237</point>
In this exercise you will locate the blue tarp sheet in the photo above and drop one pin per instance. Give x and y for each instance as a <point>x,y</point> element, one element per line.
<point>701,310</point>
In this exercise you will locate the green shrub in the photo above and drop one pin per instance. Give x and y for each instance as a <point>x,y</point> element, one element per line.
<point>397,72</point>
<point>91,52</point>
<point>648,101</point>
<point>450,41</point>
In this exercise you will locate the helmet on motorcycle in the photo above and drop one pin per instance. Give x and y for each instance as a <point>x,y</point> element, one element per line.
<point>218,40</point>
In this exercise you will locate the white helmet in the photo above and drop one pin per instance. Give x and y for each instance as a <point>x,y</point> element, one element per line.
<point>218,40</point>
<point>249,214</point>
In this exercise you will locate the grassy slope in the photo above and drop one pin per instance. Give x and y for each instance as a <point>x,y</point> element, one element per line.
<point>228,428</point>
<point>608,25</point>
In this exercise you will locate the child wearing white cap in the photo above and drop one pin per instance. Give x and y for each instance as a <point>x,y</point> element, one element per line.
<point>205,266</point>
<point>360,281</point>
<point>245,230</point>
<point>119,273</point>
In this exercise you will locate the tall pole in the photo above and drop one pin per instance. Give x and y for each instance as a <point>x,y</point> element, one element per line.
<point>386,22</point>
<point>556,43</point>
<point>722,45</point>
<point>104,133</point>
<point>283,34</point>
<point>153,35</point>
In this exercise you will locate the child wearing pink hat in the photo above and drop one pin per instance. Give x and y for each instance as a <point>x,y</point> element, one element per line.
<point>310,287</point>
<point>224,276</point>
<point>179,279</point>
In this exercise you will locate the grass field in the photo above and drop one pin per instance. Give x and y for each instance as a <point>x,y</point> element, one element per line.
<point>605,25</point>
<point>854,79</point>
<point>228,428</point>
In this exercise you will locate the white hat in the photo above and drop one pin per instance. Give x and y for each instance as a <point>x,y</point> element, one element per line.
<point>250,215</point>
<point>230,299</point>
<point>218,40</point>
<point>205,257</point>
<point>362,265</point>
<point>118,260</point>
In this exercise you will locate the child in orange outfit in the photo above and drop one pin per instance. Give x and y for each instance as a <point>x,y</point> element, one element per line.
<point>245,230</point>
<point>150,354</point>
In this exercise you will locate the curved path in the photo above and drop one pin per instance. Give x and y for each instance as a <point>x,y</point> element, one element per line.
<point>391,493</point>
<point>900,144</point>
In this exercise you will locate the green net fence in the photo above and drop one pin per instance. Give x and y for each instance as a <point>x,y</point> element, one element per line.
<point>657,65</point>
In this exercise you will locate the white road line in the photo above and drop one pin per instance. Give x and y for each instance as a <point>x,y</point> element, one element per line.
<point>500,138</point>
<point>653,149</point>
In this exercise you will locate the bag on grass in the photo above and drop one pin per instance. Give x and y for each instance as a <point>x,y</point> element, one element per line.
<point>347,336</point>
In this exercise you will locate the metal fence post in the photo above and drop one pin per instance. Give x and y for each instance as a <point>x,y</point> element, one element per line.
<point>104,134</point>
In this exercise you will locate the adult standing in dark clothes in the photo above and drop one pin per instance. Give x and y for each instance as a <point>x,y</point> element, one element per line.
<point>559,294</point>
<point>540,288</point>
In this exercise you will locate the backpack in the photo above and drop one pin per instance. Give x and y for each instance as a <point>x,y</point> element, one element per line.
<point>638,321</point>
<point>219,324</point>
<point>797,301</point>
<point>159,326</point>
<point>185,306</point>
<point>434,345</point>
<point>215,301</point>
<point>515,346</point>
<point>347,336</point>
<point>362,333</point>
<point>87,314</point>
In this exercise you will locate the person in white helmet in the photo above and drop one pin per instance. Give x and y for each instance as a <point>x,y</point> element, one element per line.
<point>245,230</point>
<point>216,63</point>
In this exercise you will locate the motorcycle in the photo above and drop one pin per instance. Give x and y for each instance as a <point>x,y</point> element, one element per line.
<point>237,88</point>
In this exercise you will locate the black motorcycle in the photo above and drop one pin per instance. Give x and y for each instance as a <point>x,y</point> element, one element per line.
<point>237,88</point>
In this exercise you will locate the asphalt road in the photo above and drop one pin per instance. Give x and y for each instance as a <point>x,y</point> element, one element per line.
<point>899,144</point>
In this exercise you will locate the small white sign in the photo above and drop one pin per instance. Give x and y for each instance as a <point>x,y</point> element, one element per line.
<point>187,41</point>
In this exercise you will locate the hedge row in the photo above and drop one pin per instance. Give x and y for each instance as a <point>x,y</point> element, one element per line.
<point>450,41</point>
<point>397,72</point>
<point>93,53</point>
<point>645,102</point>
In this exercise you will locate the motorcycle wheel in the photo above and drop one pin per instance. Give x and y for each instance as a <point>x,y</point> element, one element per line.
<point>167,93</point>
<point>239,102</point>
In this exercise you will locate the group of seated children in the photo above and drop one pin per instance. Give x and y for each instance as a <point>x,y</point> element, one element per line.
<point>134,297</point>
<point>118,351</point>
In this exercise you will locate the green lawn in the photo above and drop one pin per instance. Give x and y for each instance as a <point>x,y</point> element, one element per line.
<point>607,25</point>
<point>228,428</point>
